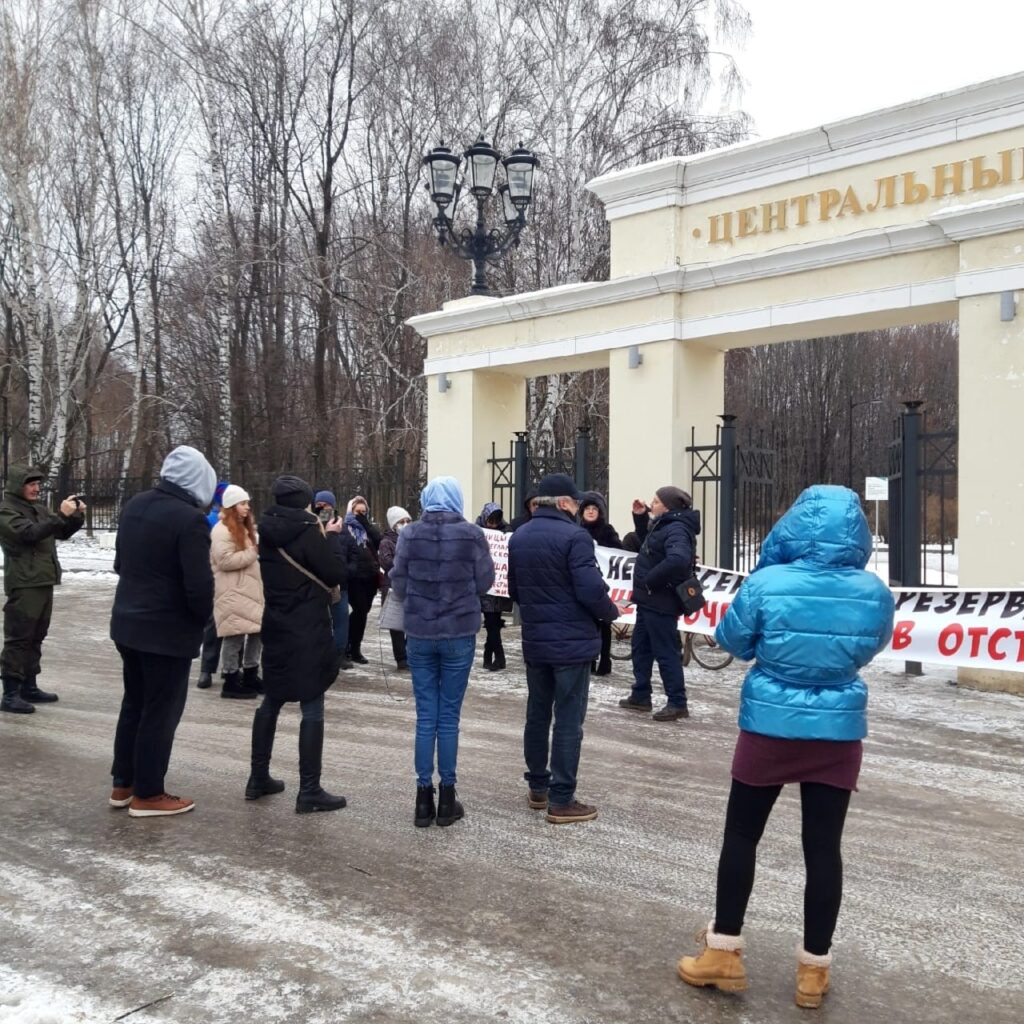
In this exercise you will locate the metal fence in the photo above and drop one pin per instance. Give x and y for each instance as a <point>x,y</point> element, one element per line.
<point>105,497</point>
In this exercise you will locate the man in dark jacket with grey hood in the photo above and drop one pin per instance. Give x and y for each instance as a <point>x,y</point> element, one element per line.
<point>667,530</point>
<point>554,578</point>
<point>164,600</point>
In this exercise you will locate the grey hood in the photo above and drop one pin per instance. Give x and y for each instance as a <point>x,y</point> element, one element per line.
<point>189,470</point>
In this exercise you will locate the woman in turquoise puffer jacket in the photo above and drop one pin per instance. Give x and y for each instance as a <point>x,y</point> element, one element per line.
<point>811,618</point>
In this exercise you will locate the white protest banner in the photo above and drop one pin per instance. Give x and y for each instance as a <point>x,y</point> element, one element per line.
<point>974,628</point>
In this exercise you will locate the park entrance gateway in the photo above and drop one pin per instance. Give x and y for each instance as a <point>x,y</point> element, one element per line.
<point>908,215</point>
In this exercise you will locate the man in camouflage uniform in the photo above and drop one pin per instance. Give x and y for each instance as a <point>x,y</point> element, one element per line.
<point>28,534</point>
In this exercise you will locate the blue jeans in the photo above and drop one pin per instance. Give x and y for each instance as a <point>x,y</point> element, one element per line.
<point>656,638</point>
<point>440,672</point>
<point>339,620</point>
<point>562,690</point>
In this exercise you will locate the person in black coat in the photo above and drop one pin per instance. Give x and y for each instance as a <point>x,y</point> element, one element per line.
<point>163,602</point>
<point>365,579</point>
<point>593,517</point>
<point>301,562</point>
<point>667,530</point>
<point>529,507</point>
<point>493,518</point>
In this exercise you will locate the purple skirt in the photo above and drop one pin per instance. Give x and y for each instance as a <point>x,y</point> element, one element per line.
<point>769,761</point>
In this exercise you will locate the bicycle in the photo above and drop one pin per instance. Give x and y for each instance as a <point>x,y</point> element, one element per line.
<point>696,646</point>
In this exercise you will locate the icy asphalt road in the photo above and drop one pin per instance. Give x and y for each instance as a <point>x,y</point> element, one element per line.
<point>245,912</point>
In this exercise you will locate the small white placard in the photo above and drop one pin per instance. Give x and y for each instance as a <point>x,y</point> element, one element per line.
<point>876,488</point>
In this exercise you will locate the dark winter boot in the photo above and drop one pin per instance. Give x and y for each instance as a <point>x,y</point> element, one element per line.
<point>12,700</point>
<point>499,659</point>
<point>233,687</point>
<point>251,679</point>
<point>488,653</point>
<point>424,806</point>
<point>312,797</point>
<point>449,810</point>
<point>31,692</point>
<point>260,783</point>
<point>603,668</point>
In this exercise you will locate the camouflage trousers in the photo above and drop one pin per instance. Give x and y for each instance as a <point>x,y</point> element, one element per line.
<point>26,623</point>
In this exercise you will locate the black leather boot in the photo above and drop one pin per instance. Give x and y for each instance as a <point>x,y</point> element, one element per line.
<point>261,783</point>
<point>449,810</point>
<point>31,692</point>
<point>488,653</point>
<point>251,679</point>
<point>424,806</point>
<point>499,657</point>
<point>12,701</point>
<point>312,796</point>
<point>233,688</point>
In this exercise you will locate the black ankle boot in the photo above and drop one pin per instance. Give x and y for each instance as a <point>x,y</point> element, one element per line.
<point>251,679</point>
<point>449,810</point>
<point>12,701</point>
<point>425,812</point>
<point>312,796</point>
<point>31,692</point>
<point>232,687</point>
<point>488,654</point>
<point>261,783</point>
<point>499,659</point>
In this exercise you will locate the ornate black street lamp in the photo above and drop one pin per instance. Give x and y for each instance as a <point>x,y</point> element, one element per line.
<point>479,244</point>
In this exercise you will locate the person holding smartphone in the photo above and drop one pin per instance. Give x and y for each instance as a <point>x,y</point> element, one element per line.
<point>28,533</point>
<point>325,505</point>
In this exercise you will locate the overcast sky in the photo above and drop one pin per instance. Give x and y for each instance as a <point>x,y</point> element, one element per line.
<point>807,63</point>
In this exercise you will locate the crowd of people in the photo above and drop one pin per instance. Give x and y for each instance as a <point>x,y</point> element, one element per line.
<point>282,604</point>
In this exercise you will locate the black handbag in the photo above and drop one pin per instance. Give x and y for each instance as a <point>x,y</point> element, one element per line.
<point>691,595</point>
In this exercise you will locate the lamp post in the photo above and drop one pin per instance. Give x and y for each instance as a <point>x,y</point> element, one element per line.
<point>849,436</point>
<point>479,244</point>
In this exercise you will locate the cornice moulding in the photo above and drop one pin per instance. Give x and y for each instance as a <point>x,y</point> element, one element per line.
<point>948,117</point>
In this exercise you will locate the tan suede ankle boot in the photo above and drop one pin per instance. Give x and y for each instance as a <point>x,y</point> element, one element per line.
<point>812,978</point>
<point>719,965</point>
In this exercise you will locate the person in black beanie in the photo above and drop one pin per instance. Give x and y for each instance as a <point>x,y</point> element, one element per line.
<point>667,530</point>
<point>301,561</point>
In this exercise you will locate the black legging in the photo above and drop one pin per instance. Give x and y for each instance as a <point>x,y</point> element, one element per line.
<point>360,599</point>
<point>823,813</point>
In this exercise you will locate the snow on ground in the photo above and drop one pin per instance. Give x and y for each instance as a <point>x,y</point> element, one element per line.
<point>243,913</point>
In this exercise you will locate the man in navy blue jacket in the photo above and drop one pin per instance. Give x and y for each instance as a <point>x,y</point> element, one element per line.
<point>667,529</point>
<point>554,578</point>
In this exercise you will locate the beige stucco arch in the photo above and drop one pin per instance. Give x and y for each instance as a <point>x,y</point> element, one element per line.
<point>905,215</point>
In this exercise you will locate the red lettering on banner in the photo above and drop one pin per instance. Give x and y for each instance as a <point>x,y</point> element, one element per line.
<point>977,634</point>
<point>955,632</point>
<point>997,635</point>
<point>901,635</point>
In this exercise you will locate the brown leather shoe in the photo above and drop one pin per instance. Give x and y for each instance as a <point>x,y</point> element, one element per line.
<point>121,796</point>
<point>159,806</point>
<point>566,814</point>
<point>538,801</point>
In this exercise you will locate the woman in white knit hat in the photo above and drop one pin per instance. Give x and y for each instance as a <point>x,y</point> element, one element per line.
<point>238,595</point>
<point>398,520</point>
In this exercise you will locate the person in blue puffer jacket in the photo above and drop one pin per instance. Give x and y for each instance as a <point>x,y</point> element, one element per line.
<point>811,618</point>
<point>442,568</point>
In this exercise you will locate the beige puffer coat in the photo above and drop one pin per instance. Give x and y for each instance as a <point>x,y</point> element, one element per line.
<point>237,585</point>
